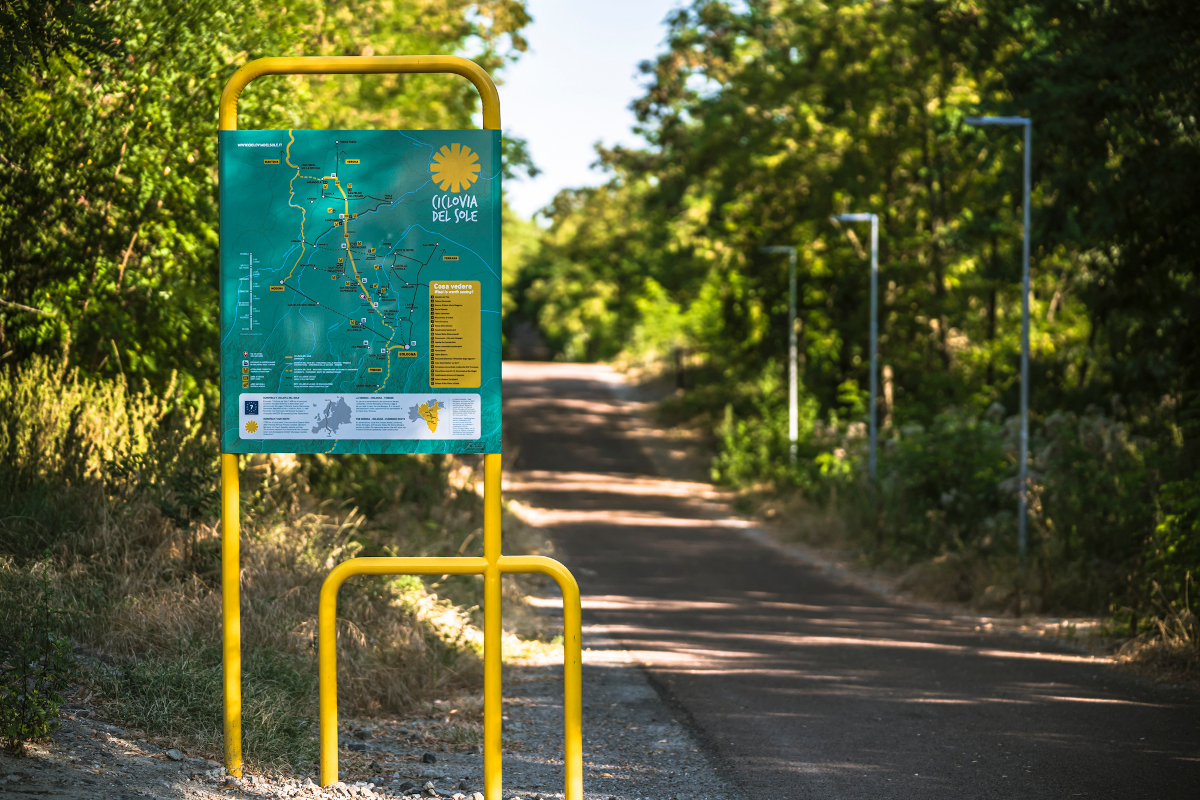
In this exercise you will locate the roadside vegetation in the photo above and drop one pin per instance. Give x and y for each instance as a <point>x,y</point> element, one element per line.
<point>107,526</point>
<point>109,539</point>
<point>763,119</point>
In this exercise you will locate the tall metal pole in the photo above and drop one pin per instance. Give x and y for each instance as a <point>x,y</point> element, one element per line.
<point>793,369</point>
<point>1023,466</point>
<point>874,380</point>
<point>1023,469</point>
<point>793,346</point>
<point>874,340</point>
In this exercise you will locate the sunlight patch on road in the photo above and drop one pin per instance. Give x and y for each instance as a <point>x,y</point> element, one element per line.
<point>609,483</point>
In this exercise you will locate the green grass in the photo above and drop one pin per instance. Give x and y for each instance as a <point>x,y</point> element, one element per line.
<point>179,697</point>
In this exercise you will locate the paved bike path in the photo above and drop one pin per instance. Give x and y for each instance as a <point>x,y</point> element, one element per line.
<point>801,686</point>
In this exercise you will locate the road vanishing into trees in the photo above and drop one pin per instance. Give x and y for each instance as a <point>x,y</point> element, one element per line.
<point>801,686</point>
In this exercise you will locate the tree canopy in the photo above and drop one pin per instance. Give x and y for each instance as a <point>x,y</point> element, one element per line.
<point>765,118</point>
<point>108,215</point>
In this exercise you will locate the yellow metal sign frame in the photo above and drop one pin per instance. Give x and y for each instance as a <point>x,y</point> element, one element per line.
<point>491,566</point>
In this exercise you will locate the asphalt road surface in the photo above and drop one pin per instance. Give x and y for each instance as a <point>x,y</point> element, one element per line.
<point>801,686</point>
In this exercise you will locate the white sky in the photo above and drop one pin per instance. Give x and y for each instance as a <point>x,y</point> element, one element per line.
<point>574,86</point>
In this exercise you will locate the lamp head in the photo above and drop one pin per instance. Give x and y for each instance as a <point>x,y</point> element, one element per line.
<point>998,121</point>
<point>853,217</point>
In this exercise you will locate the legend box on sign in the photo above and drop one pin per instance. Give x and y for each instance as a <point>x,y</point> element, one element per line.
<point>454,328</point>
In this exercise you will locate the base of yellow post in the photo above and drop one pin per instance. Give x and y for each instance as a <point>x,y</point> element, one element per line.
<point>491,567</point>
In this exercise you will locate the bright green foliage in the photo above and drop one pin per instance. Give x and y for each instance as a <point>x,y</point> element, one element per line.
<point>755,446</point>
<point>108,178</point>
<point>36,662</point>
<point>1173,551</point>
<point>108,220</point>
<point>763,124</point>
<point>401,27</point>
<point>582,286</point>
<point>767,117</point>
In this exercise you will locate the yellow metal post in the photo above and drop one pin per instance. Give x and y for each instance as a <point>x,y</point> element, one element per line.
<point>491,566</point>
<point>230,520</point>
<point>572,664</point>
<point>231,616</point>
<point>327,632</point>
<point>493,708</point>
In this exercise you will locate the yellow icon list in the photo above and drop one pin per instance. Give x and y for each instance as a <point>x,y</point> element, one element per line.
<point>454,327</point>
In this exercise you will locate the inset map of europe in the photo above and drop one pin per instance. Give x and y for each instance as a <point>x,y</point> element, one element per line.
<point>360,291</point>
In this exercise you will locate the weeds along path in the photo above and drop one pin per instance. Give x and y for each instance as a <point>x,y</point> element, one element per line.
<point>798,685</point>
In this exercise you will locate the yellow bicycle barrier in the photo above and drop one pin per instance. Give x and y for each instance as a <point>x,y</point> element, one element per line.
<point>491,566</point>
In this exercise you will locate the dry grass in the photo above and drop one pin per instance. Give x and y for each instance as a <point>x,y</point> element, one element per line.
<point>1170,650</point>
<point>112,491</point>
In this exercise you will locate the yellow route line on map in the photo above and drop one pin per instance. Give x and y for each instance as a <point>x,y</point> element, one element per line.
<point>292,188</point>
<point>350,255</point>
<point>387,375</point>
<point>354,268</point>
<point>345,235</point>
<point>389,366</point>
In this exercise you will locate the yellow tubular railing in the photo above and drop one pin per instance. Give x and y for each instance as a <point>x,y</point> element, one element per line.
<point>327,632</point>
<point>359,65</point>
<point>572,663</point>
<point>491,566</point>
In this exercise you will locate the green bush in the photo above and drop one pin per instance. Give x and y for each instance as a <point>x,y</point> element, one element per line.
<point>36,662</point>
<point>947,487</point>
<point>753,435</point>
<point>1104,535</point>
<point>1167,578</point>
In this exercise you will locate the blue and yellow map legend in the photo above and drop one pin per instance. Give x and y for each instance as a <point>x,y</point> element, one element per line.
<point>360,291</point>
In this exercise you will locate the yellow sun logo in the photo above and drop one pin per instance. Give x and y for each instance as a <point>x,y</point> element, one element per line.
<point>251,426</point>
<point>455,167</point>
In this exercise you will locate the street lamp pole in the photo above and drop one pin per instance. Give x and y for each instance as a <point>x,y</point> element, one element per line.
<point>1023,465</point>
<point>793,371</point>
<point>874,220</point>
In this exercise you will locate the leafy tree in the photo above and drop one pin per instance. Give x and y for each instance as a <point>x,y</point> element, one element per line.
<point>108,182</point>
<point>766,117</point>
<point>33,32</point>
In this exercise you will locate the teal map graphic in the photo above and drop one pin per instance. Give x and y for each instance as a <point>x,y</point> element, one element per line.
<point>360,291</point>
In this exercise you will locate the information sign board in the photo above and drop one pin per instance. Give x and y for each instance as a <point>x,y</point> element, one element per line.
<point>360,291</point>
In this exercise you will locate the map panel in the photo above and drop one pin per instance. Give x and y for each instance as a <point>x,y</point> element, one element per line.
<point>351,263</point>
